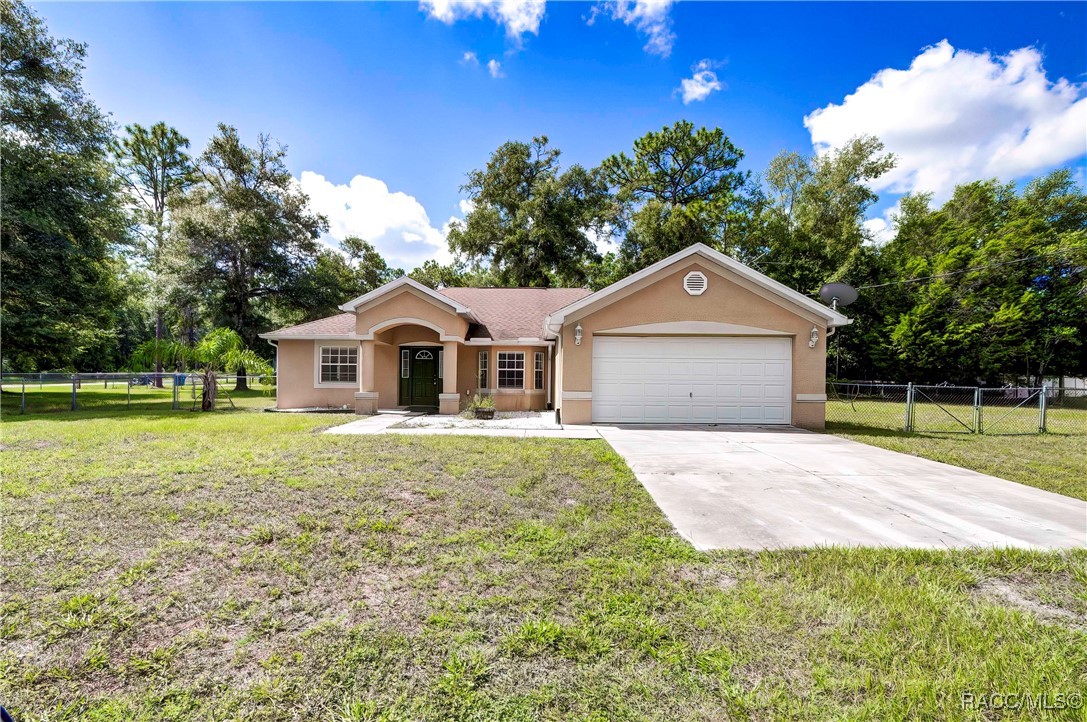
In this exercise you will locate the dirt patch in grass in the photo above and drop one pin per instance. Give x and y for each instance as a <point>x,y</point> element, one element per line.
<point>1018,593</point>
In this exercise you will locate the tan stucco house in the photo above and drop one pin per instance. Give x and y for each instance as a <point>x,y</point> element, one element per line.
<point>695,338</point>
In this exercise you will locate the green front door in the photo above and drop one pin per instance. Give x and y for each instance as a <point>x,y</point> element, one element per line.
<point>424,377</point>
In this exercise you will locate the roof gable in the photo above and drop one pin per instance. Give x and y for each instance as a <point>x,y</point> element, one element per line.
<point>429,293</point>
<point>698,251</point>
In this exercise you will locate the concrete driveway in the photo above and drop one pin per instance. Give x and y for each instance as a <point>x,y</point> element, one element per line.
<point>767,488</point>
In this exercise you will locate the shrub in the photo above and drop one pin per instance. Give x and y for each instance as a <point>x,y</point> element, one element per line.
<point>478,401</point>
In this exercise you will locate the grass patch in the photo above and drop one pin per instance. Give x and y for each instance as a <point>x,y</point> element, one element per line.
<point>243,566</point>
<point>1052,461</point>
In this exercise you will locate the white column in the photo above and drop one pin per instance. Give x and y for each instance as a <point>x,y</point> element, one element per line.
<point>449,399</point>
<point>366,396</point>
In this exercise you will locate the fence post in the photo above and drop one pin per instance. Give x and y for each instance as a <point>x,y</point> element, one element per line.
<point>75,380</point>
<point>175,393</point>
<point>909,406</point>
<point>129,399</point>
<point>1042,406</point>
<point>22,401</point>
<point>977,411</point>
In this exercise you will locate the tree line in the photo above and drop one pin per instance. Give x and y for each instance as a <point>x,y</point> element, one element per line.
<point>123,239</point>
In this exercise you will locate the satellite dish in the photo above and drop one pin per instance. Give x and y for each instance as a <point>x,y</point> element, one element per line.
<point>837,294</point>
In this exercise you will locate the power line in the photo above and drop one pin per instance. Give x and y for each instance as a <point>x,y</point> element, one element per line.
<point>953,273</point>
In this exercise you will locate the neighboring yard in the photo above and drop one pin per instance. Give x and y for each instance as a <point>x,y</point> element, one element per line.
<point>181,565</point>
<point>103,396</point>
<point>1055,461</point>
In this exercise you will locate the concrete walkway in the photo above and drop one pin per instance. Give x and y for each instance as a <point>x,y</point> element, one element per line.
<point>375,424</point>
<point>380,423</point>
<point>767,488</point>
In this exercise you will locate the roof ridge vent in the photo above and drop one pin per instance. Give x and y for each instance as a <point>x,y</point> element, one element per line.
<point>695,283</point>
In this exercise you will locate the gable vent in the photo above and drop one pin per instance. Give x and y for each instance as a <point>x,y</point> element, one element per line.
<point>694,283</point>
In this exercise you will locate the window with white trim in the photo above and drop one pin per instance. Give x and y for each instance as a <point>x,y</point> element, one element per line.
<point>538,370</point>
<point>511,369</point>
<point>481,376</point>
<point>339,364</point>
<point>405,363</point>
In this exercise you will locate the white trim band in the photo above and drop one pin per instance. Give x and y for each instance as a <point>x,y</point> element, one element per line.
<point>577,395</point>
<point>389,323</point>
<point>690,328</point>
<point>310,337</point>
<point>811,398</point>
<point>508,342</point>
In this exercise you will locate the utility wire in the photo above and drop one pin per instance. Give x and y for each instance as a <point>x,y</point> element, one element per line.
<point>952,273</point>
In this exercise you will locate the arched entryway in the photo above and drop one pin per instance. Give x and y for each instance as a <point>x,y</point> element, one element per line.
<point>414,366</point>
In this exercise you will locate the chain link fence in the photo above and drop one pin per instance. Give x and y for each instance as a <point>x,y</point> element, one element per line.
<point>879,406</point>
<point>58,392</point>
<point>942,409</point>
<point>950,409</point>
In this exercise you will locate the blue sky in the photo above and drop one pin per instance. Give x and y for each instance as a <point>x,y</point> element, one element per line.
<point>384,93</point>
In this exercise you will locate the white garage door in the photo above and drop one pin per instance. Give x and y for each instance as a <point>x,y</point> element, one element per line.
<point>675,380</point>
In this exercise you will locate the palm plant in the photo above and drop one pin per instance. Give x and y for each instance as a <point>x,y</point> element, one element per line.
<point>219,350</point>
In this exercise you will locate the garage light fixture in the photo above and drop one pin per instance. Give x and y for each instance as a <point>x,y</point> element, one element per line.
<point>814,337</point>
<point>577,335</point>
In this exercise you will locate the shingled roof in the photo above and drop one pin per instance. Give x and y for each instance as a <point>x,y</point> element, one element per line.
<point>342,324</point>
<point>512,313</point>
<point>502,313</point>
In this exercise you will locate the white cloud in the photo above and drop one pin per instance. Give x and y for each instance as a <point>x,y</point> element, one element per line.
<point>882,230</point>
<point>702,82</point>
<point>470,58</point>
<point>604,240</point>
<point>395,223</point>
<point>466,206</point>
<point>495,68</point>
<point>651,17</point>
<point>956,116</point>
<point>517,16</point>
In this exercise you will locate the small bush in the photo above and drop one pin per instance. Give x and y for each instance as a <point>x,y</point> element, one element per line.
<point>478,401</point>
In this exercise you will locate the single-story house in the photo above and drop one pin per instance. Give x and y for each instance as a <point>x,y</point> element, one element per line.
<point>696,338</point>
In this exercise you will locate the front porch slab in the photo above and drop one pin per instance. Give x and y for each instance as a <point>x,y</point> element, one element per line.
<point>515,426</point>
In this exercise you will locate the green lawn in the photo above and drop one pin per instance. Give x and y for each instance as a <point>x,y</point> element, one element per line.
<point>240,565</point>
<point>1055,461</point>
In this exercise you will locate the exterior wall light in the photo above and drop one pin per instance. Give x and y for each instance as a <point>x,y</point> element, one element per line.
<point>814,337</point>
<point>577,335</point>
